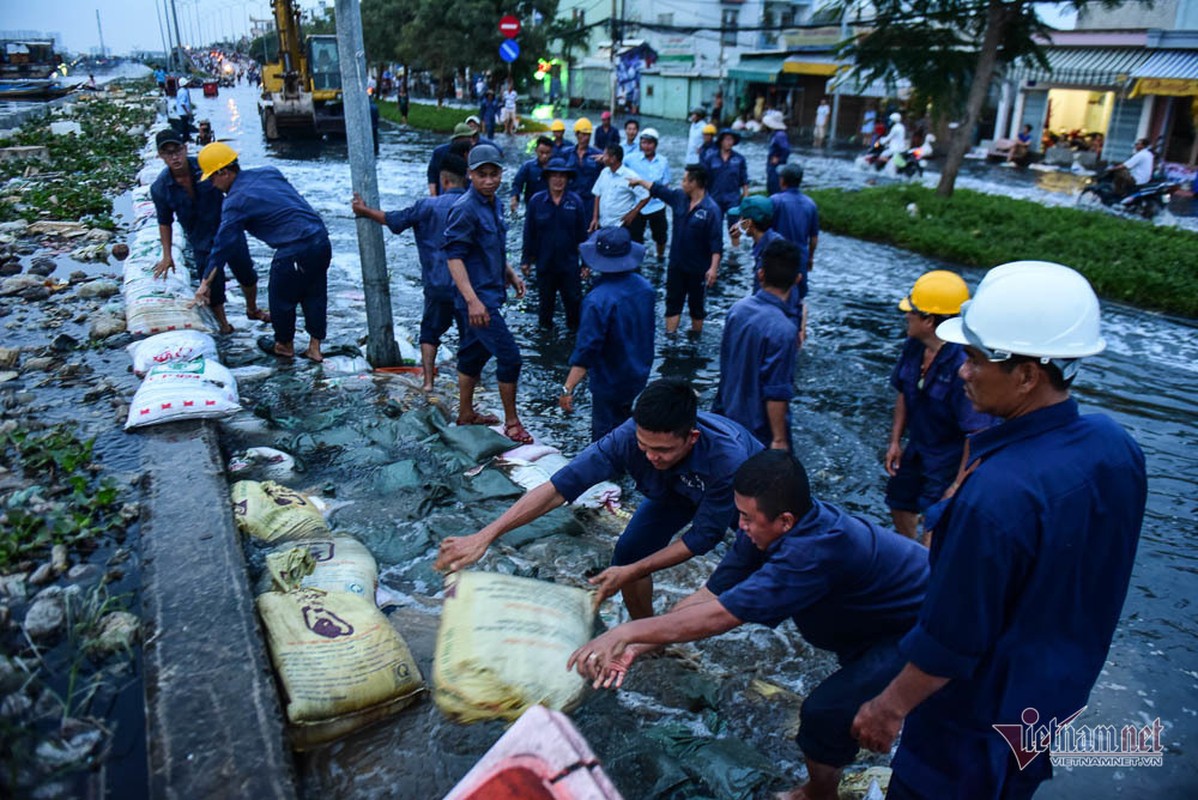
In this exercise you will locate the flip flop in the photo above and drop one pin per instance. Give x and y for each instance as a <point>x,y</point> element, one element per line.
<point>267,345</point>
<point>479,419</point>
<point>259,315</point>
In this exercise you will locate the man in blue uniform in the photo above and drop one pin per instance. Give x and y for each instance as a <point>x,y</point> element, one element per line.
<point>729,173</point>
<point>931,406</point>
<point>606,134</point>
<point>653,168</point>
<point>178,192</point>
<point>757,220</point>
<point>849,586</point>
<point>779,152</point>
<point>695,249</point>
<point>460,142</point>
<point>427,220</point>
<point>681,459</point>
<point>1031,558</point>
<point>614,345</point>
<point>797,219</point>
<point>476,248</point>
<point>262,203</point>
<point>561,145</point>
<point>530,177</point>
<point>758,352</point>
<point>555,224</point>
<point>587,163</point>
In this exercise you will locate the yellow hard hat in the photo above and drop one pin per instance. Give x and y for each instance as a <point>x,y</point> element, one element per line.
<point>937,292</point>
<point>557,125</point>
<point>583,126</point>
<point>215,156</point>
<point>709,129</point>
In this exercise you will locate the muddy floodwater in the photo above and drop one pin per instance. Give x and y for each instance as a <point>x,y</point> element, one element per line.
<point>348,431</point>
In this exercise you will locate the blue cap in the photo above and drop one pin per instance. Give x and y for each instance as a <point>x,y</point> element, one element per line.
<point>482,154</point>
<point>558,165</point>
<point>611,250</point>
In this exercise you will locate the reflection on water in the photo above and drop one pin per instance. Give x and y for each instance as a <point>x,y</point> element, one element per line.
<point>1147,380</point>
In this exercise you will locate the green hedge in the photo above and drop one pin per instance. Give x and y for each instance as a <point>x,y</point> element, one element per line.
<point>1132,261</point>
<point>433,118</point>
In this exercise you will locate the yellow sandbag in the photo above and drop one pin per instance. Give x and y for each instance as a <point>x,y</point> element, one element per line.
<point>340,663</point>
<point>272,512</point>
<point>339,564</point>
<point>503,644</point>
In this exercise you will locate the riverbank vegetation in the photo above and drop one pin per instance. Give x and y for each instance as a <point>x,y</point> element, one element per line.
<point>431,117</point>
<point>87,167</point>
<point>1129,260</point>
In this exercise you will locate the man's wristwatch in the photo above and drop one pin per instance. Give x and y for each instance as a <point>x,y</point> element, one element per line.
<point>566,390</point>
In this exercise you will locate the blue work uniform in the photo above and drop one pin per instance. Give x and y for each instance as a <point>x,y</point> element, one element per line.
<point>262,203</point>
<point>605,136</point>
<point>434,166</point>
<point>797,218</point>
<point>757,363</point>
<point>562,150</point>
<point>780,150</point>
<point>488,112</point>
<point>615,345</point>
<point>529,180</point>
<point>698,490</point>
<point>200,218</point>
<point>794,300</point>
<point>939,417</point>
<point>850,587</point>
<point>552,233</point>
<point>706,149</point>
<point>476,234</point>
<point>427,219</point>
<point>586,170</point>
<point>698,235</point>
<point>1031,561</point>
<point>726,179</point>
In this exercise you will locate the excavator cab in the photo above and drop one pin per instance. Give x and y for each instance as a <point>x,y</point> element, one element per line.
<point>324,63</point>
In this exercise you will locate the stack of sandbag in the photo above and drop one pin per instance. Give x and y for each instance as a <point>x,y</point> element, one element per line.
<point>503,644</point>
<point>340,662</point>
<point>199,388</point>
<point>154,305</point>
<point>163,348</point>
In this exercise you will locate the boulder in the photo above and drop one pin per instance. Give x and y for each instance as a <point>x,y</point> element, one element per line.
<point>101,288</point>
<point>45,617</point>
<point>105,325</point>
<point>118,631</point>
<point>19,283</point>
<point>42,266</point>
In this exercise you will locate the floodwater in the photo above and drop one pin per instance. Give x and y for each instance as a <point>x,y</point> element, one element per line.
<point>343,428</point>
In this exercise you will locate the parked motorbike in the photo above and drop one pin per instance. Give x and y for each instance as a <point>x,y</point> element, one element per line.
<point>1146,200</point>
<point>908,164</point>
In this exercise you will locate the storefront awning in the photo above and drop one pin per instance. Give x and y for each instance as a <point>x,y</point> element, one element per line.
<point>806,65</point>
<point>757,70</point>
<point>1168,72</point>
<point>1082,66</point>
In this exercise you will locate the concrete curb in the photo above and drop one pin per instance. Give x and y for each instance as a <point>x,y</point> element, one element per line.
<point>213,722</point>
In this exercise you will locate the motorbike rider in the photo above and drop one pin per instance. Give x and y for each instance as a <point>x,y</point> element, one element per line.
<point>1135,171</point>
<point>895,140</point>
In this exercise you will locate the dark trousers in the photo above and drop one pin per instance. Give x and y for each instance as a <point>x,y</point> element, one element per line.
<point>608,413</point>
<point>656,222</point>
<point>554,281</point>
<point>300,279</point>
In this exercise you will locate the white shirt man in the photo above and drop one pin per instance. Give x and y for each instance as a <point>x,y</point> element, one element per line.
<point>1141,163</point>
<point>895,140</point>
<point>509,105</point>
<point>614,196</point>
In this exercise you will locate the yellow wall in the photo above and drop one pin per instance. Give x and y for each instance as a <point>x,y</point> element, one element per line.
<point>1077,109</point>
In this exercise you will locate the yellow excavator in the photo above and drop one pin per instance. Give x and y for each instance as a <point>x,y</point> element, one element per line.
<point>301,89</point>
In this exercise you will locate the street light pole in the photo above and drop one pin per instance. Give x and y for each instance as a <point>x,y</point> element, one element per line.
<point>381,349</point>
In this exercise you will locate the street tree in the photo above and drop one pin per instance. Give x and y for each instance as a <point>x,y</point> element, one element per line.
<point>950,51</point>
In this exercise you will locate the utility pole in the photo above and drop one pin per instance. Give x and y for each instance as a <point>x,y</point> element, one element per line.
<point>381,349</point>
<point>166,51</point>
<point>611,106</point>
<point>844,34</point>
<point>178,42</point>
<point>100,29</point>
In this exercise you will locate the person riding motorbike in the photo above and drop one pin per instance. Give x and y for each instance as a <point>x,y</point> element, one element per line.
<point>1135,171</point>
<point>895,141</point>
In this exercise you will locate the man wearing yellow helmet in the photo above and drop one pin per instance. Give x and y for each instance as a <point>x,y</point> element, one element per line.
<point>561,145</point>
<point>708,145</point>
<point>587,163</point>
<point>262,203</point>
<point>931,407</point>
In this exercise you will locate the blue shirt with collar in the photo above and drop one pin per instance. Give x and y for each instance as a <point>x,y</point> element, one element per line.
<point>199,216</point>
<point>939,414</point>
<point>605,136</point>
<point>847,583</point>
<point>757,362</point>
<point>586,170</point>
<point>427,219</point>
<point>553,231</point>
<point>476,233</point>
<point>434,166</point>
<point>704,478</point>
<point>655,171</point>
<point>1031,562</point>
<point>615,336</point>
<point>263,204</point>
<point>726,178</point>
<point>529,180</point>
<point>562,150</point>
<point>779,148</point>
<point>797,218</point>
<point>698,232</point>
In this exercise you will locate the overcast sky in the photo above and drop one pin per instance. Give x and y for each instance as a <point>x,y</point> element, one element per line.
<point>134,24</point>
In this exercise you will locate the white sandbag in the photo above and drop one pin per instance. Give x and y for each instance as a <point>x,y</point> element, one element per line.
<point>154,308</point>
<point>172,346</point>
<point>197,389</point>
<point>149,173</point>
<point>503,644</point>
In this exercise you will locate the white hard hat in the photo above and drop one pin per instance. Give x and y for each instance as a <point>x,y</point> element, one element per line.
<point>650,133</point>
<point>896,117</point>
<point>1030,308</point>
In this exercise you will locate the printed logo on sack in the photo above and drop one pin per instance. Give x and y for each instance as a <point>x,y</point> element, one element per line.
<point>1070,745</point>
<point>325,623</point>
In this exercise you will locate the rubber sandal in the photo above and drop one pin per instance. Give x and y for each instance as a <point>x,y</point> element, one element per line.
<point>267,345</point>
<point>479,419</point>
<point>259,315</point>
<point>515,431</point>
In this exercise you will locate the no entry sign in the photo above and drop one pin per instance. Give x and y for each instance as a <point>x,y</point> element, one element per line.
<point>509,26</point>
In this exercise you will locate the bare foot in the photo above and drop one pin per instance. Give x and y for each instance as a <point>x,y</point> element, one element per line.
<point>312,355</point>
<point>284,350</point>
<point>226,329</point>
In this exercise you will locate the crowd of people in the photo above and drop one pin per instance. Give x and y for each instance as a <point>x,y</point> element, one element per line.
<point>1016,517</point>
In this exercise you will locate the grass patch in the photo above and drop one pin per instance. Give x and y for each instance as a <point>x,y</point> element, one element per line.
<point>430,117</point>
<point>1126,260</point>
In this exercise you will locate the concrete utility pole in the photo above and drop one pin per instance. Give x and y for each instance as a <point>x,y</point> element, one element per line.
<point>611,106</point>
<point>844,34</point>
<point>100,29</point>
<point>178,41</point>
<point>381,349</point>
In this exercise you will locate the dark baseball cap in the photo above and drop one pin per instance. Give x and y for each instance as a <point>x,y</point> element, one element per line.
<point>168,136</point>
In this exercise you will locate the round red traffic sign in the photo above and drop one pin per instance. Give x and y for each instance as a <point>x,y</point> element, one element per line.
<point>509,26</point>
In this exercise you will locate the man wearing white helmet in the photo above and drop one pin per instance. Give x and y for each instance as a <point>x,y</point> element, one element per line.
<point>895,140</point>
<point>1031,559</point>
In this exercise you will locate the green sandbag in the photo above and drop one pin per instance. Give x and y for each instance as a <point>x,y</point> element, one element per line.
<point>489,484</point>
<point>729,768</point>
<point>559,520</point>
<point>397,476</point>
<point>476,442</point>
